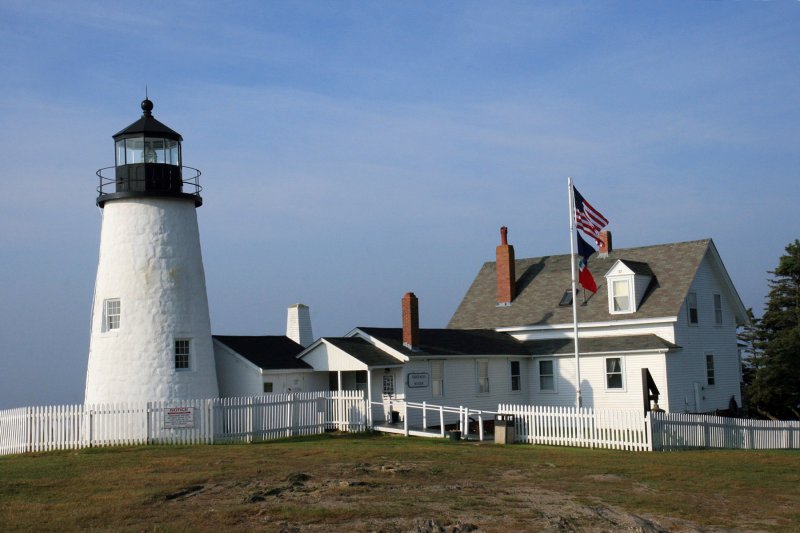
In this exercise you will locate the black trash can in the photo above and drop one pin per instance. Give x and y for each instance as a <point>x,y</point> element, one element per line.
<point>504,429</point>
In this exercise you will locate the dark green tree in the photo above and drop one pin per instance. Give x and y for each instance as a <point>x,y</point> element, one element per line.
<point>775,390</point>
<point>751,345</point>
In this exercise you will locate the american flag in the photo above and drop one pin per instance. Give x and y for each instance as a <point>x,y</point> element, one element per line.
<point>587,218</point>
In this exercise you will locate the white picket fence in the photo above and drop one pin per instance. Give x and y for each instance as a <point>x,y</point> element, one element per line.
<point>619,429</point>
<point>32,429</point>
<point>248,419</point>
<point>678,431</point>
<point>629,430</point>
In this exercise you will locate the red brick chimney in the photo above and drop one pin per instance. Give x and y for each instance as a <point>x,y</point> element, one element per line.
<point>506,275</point>
<point>410,321</point>
<point>605,243</point>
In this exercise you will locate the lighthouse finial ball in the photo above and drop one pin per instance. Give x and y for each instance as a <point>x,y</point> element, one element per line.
<point>147,106</point>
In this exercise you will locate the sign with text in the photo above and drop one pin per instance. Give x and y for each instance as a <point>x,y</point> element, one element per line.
<point>178,417</point>
<point>419,380</point>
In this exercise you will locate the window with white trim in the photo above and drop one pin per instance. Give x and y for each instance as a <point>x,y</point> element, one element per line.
<point>547,375</point>
<point>112,311</point>
<point>691,308</point>
<point>718,309</point>
<point>614,373</point>
<point>710,369</point>
<point>516,376</point>
<point>182,354</point>
<point>267,387</point>
<point>437,379</point>
<point>621,295</point>
<point>388,385</point>
<point>483,376</point>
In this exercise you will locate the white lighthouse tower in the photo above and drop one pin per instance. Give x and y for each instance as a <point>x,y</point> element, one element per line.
<point>151,332</point>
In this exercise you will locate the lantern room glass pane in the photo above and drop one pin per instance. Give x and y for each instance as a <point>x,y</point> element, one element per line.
<point>134,151</point>
<point>172,152</point>
<point>120,152</point>
<point>154,150</point>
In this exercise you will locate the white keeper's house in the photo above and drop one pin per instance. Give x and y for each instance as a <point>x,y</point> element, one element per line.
<point>670,309</point>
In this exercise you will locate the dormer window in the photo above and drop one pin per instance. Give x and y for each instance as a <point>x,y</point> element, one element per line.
<point>627,283</point>
<point>621,296</point>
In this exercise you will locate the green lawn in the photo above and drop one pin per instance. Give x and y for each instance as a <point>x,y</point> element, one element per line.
<point>371,482</point>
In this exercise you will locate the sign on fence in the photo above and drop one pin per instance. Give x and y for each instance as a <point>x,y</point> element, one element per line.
<point>179,417</point>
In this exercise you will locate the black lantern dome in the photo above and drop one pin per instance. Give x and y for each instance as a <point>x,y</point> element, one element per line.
<point>148,163</point>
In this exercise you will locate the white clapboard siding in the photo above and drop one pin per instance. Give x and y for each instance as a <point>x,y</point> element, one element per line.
<point>208,421</point>
<point>584,427</point>
<point>676,431</point>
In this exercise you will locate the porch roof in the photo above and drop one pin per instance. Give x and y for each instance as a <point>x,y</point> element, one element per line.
<point>363,351</point>
<point>627,343</point>
<point>456,342</point>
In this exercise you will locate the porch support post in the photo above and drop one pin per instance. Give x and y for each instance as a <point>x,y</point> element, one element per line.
<point>339,403</point>
<point>369,397</point>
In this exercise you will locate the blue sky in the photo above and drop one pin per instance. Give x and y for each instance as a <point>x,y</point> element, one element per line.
<point>353,151</point>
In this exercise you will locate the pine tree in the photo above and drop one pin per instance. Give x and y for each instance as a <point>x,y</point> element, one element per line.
<point>749,337</point>
<point>775,391</point>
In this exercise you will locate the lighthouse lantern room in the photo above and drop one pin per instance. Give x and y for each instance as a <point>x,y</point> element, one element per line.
<point>150,326</point>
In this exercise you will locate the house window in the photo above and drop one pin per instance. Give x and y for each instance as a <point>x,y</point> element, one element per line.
<point>388,385</point>
<point>622,296</point>
<point>709,368</point>
<point>437,378</point>
<point>718,309</point>
<point>613,373</point>
<point>691,307</point>
<point>182,354</point>
<point>483,377</point>
<point>112,311</point>
<point>361,380</point>
<point>547,375</point>
<point>267,387</point>
<point>516,377</point>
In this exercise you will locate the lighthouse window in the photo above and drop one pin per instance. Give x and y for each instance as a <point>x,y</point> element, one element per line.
<point>172,152</point>
<point>120,152</point>
<point>112,312</point>
<point>134,151</point>
<point>182,354</point>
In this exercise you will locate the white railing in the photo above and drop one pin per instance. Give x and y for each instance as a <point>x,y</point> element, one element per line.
<point>31,429</point>
<point>589,428</point>
<point>421,419</point>
<point>677,431</point>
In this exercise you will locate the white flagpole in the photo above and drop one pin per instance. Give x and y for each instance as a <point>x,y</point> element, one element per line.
<point>578,401</point>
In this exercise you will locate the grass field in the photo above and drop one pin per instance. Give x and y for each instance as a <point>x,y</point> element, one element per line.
<point>346,482</point>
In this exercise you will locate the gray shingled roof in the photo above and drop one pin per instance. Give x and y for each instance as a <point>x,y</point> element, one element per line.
<point>270,352</point>
<point>542,281</point>
<point>599,345</point>
<point>365,352</point>
<point>440,342</point>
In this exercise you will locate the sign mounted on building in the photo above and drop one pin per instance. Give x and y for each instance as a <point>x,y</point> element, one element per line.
<point>178,417</point>
<point>419,380</point>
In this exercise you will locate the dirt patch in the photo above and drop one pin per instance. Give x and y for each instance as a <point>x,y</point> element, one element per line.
<point>404,494</point>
